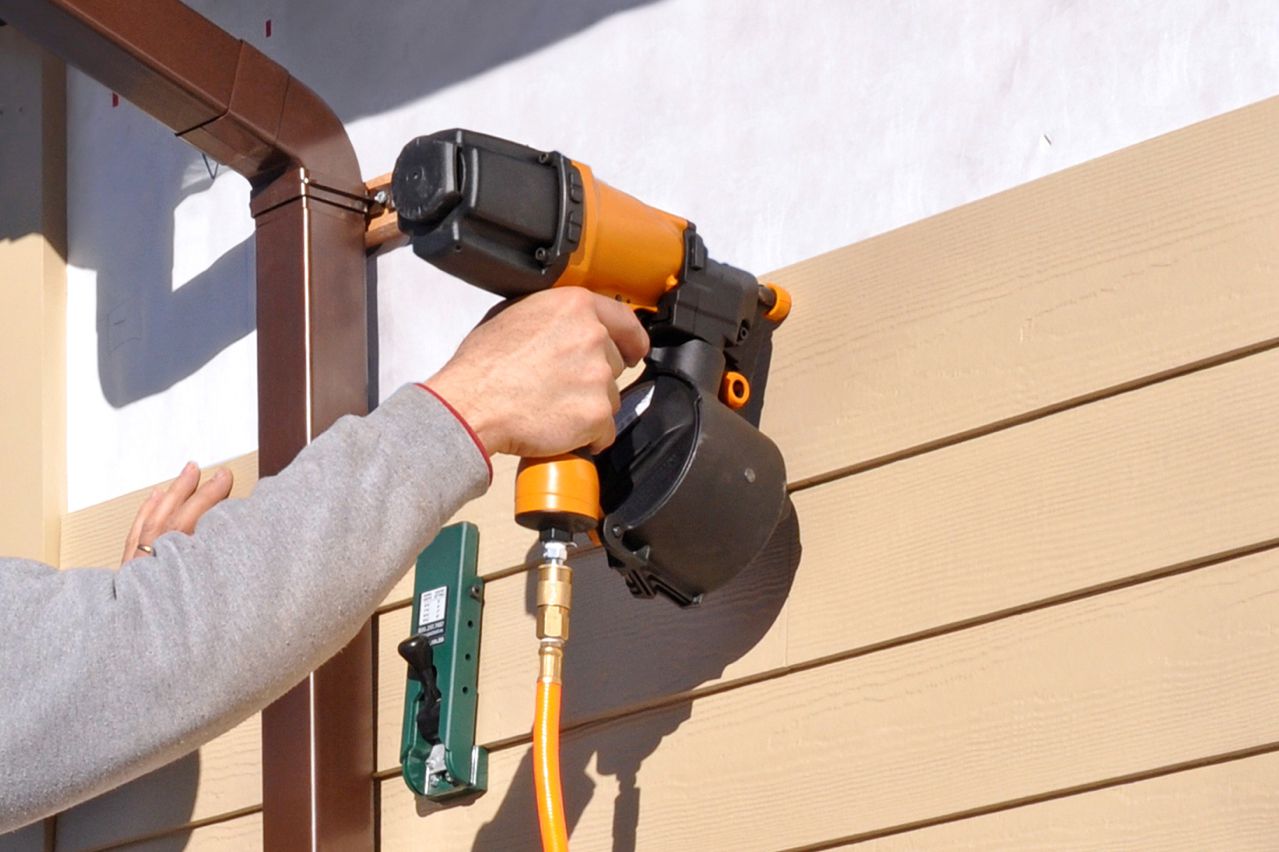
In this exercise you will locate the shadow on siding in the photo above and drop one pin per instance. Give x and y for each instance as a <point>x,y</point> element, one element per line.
<point>621,652</point>
<point>160,800</point>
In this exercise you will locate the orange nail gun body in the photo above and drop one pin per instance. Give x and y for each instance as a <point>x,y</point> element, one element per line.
<point>691,490</point>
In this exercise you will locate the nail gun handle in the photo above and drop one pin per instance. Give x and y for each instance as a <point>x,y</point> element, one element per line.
<point>560,492</point>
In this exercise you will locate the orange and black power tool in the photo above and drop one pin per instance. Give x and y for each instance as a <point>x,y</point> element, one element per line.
<point>691,490</point>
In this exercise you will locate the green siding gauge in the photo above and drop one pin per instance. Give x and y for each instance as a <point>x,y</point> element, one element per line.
<point>437,742</point>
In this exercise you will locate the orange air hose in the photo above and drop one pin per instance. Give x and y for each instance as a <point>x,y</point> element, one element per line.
<point>554,600</point>
<point>546,767</point>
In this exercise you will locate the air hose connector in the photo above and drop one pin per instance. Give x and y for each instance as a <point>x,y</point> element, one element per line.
<point>554,592</point>
<point>554,601</point>
<point>550,655</point>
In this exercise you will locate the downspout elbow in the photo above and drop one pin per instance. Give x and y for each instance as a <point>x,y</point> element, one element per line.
<point>275,122</point>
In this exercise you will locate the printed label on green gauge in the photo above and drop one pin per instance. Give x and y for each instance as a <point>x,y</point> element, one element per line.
<point>432,617</point>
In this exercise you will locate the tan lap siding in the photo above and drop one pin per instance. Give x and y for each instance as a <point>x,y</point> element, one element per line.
<point>1054,404</point>
<point>223,776</point>
<point>29,839</point>
<point>242,834</point>
<point>1141,483</point>
<point>1141,262</point>
<point>32,298</point>
<point>1173,670</point>
<point>94,537</point>
<point>1226,806</point>
<point>1043,397</point>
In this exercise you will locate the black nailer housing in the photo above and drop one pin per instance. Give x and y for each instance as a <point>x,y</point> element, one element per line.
<point>691,490</point>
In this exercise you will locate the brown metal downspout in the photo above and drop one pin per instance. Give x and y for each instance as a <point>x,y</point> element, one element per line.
<point>308,202</point>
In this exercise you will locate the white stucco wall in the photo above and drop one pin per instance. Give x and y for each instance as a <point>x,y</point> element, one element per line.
<point>782,128</point>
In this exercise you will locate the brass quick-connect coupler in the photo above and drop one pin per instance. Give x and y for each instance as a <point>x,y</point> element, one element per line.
<point>554,592</point>
<point>554,599</point>
<point>550,655</point>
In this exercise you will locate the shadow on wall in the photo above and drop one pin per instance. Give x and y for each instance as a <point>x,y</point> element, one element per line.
<point>624,651</point>
<point>151,336</point>
<point>155,802</point>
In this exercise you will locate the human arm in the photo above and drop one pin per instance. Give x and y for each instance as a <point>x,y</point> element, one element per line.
<point>107,674</point>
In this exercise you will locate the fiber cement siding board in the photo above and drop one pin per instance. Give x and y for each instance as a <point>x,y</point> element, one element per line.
<point>1108,273</point>
<point>1136,263</point>
<point>1228,806</point>
<point>503,544</point>
<point>32,298</point>
<point>222,777</point>
<point>94,536</point>
<point>1142,482</point>
<point>242,834</point>
<point>623,651</point>
<point>1159,477</point>
<point>1169,671</point>
<point>29,839</point>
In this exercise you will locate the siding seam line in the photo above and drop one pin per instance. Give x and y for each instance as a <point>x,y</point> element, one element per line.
<point>1039,798</point>
<point>1040,413</point>
<point>1071,596</point>
<point>622,713</point>
<point>203,822</point>
<point>965,435</point>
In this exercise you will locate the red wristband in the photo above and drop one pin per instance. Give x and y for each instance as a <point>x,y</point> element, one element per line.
<point>479,445</point>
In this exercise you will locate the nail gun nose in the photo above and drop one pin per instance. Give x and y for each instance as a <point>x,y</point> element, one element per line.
<point>427,183</point>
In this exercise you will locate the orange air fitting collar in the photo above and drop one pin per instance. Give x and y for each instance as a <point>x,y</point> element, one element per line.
<point>734,390</point>
<point>781,303</point>
<point>566,487</point>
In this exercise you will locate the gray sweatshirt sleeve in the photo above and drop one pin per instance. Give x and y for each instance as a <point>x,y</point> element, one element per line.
<point>106,675</point>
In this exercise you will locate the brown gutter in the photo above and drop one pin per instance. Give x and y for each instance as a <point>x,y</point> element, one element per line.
<point>233,103</point>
